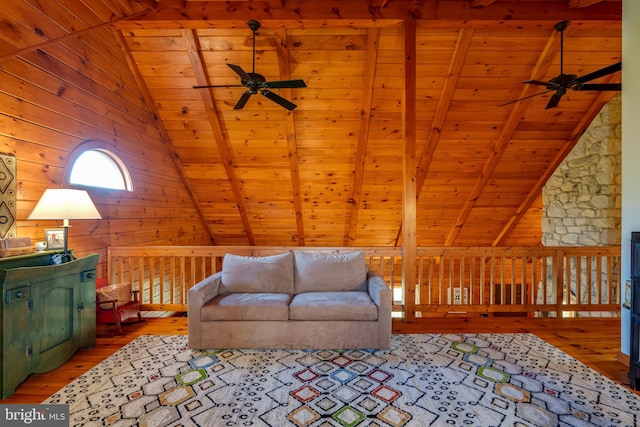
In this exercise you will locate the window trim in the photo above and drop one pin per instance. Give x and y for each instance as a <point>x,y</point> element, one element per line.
<point>106,150</point>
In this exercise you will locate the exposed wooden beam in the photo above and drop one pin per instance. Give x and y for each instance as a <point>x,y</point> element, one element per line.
<point>409,202</point>
<point>284,64</point>
<point>200,74</point>
<point>173,4</point>
<point>518,111</point>
<point>162,129</point>
<point>371,59</point>
<point>482,3</point>
<point>300,14</point>
<point>275,4</point>
<point>583,3</point>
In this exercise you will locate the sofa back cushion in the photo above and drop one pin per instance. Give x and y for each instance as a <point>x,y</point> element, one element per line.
<point>257,274</point>
<point>330,272</point>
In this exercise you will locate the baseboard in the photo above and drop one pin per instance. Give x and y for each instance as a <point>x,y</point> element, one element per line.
<point>623,358</point>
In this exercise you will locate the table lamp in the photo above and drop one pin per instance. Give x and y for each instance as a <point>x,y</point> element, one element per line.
<point>65,204</point>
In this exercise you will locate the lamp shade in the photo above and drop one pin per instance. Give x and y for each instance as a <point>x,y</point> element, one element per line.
<point>64,203</point>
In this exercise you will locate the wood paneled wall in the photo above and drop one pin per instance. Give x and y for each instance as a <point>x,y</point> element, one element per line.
<point>80,89</point>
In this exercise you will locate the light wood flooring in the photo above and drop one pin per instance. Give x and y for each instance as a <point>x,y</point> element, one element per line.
<point>594,341</point>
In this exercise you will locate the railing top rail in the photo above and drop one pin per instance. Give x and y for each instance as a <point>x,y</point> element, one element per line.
<point>242,250</point>
<point>519,251</point>
<point>369,250</point>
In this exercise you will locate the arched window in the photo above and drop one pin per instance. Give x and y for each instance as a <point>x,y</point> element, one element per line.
<point>99,167</point>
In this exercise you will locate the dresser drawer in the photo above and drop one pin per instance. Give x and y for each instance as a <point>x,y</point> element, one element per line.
<point>18,294</point>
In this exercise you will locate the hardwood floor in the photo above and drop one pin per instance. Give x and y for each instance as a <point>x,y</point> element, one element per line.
<point>593,341</point>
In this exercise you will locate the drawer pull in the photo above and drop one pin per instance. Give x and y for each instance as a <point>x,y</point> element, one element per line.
<point>19,294</point>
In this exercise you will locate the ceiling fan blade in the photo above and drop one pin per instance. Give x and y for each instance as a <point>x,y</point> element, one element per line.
<point>537,82</point>
<point>279,100</point>
<point>600,73</point>
<point>239,71</point>
<point>526,97</point>
<point>554,101</point>
<point>215,86</point>
<point>600,86</point>
<point>280,84</point>
<point>243,100</point>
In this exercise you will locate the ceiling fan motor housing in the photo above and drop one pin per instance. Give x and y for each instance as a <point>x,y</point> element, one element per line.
<point>254,25</point>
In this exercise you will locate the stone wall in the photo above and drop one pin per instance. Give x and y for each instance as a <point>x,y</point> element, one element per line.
<point>582,201</point>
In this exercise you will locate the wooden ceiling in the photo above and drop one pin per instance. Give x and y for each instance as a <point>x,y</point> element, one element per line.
<point>400,119</point>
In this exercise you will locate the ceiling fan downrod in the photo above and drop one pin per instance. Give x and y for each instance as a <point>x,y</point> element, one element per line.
<point>560,27</point>
<point>254,26</point>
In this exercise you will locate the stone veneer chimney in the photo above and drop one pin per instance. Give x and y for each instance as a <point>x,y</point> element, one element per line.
<point>582,200</point>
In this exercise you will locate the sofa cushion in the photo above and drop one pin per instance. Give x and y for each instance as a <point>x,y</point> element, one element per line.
<point>247,306</point>
<point>350,305</point>
<point>330,272</point>
<point>257,274</point>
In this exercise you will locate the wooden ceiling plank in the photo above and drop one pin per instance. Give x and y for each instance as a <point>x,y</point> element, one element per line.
<point>224,149</point>
<point>24,24</point>
<point>77,14</point>
<point>122,7</point>
<point>289,123</point>
<point>151,4</point>
<point>455,67</point>
<point>60,39</point>
<point>516,115</point>
<point>106,11</point>
<point>371,59</point>
<point>163,131</point>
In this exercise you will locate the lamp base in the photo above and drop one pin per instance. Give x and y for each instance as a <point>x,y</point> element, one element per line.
<point>65,255</point>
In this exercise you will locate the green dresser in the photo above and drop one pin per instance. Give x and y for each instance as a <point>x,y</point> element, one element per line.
<point>48,312</point>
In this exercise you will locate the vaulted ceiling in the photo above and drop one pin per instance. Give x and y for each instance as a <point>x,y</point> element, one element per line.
<point>401,120</point>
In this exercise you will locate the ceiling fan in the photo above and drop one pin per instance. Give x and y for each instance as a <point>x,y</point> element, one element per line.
<point>563,81</point>
<point>255,82</point>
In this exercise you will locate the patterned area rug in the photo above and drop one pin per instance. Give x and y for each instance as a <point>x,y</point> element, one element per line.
<point>424,380</point>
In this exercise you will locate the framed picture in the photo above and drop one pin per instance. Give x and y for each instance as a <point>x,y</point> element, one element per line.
<point>54,238</point>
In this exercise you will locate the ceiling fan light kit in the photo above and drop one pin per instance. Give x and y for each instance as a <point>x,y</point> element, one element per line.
<point>257,83</point>
<point>563,81</point>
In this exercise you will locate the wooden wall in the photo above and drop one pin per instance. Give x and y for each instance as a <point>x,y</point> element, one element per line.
<point>80,89</point>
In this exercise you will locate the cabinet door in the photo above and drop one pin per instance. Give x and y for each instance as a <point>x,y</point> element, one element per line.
<point>16,339</point>
<point>56,315</point>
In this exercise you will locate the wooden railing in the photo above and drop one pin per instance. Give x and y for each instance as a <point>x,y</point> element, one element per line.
<point>554,281</point>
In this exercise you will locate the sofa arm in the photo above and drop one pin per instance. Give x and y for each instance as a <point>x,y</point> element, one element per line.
<point>197,296</point>
<point>380,293</point>
<point>204,291</point>
<point>378,290</point>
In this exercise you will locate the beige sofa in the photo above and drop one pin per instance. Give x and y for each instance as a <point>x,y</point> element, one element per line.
<point>294,300</point>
